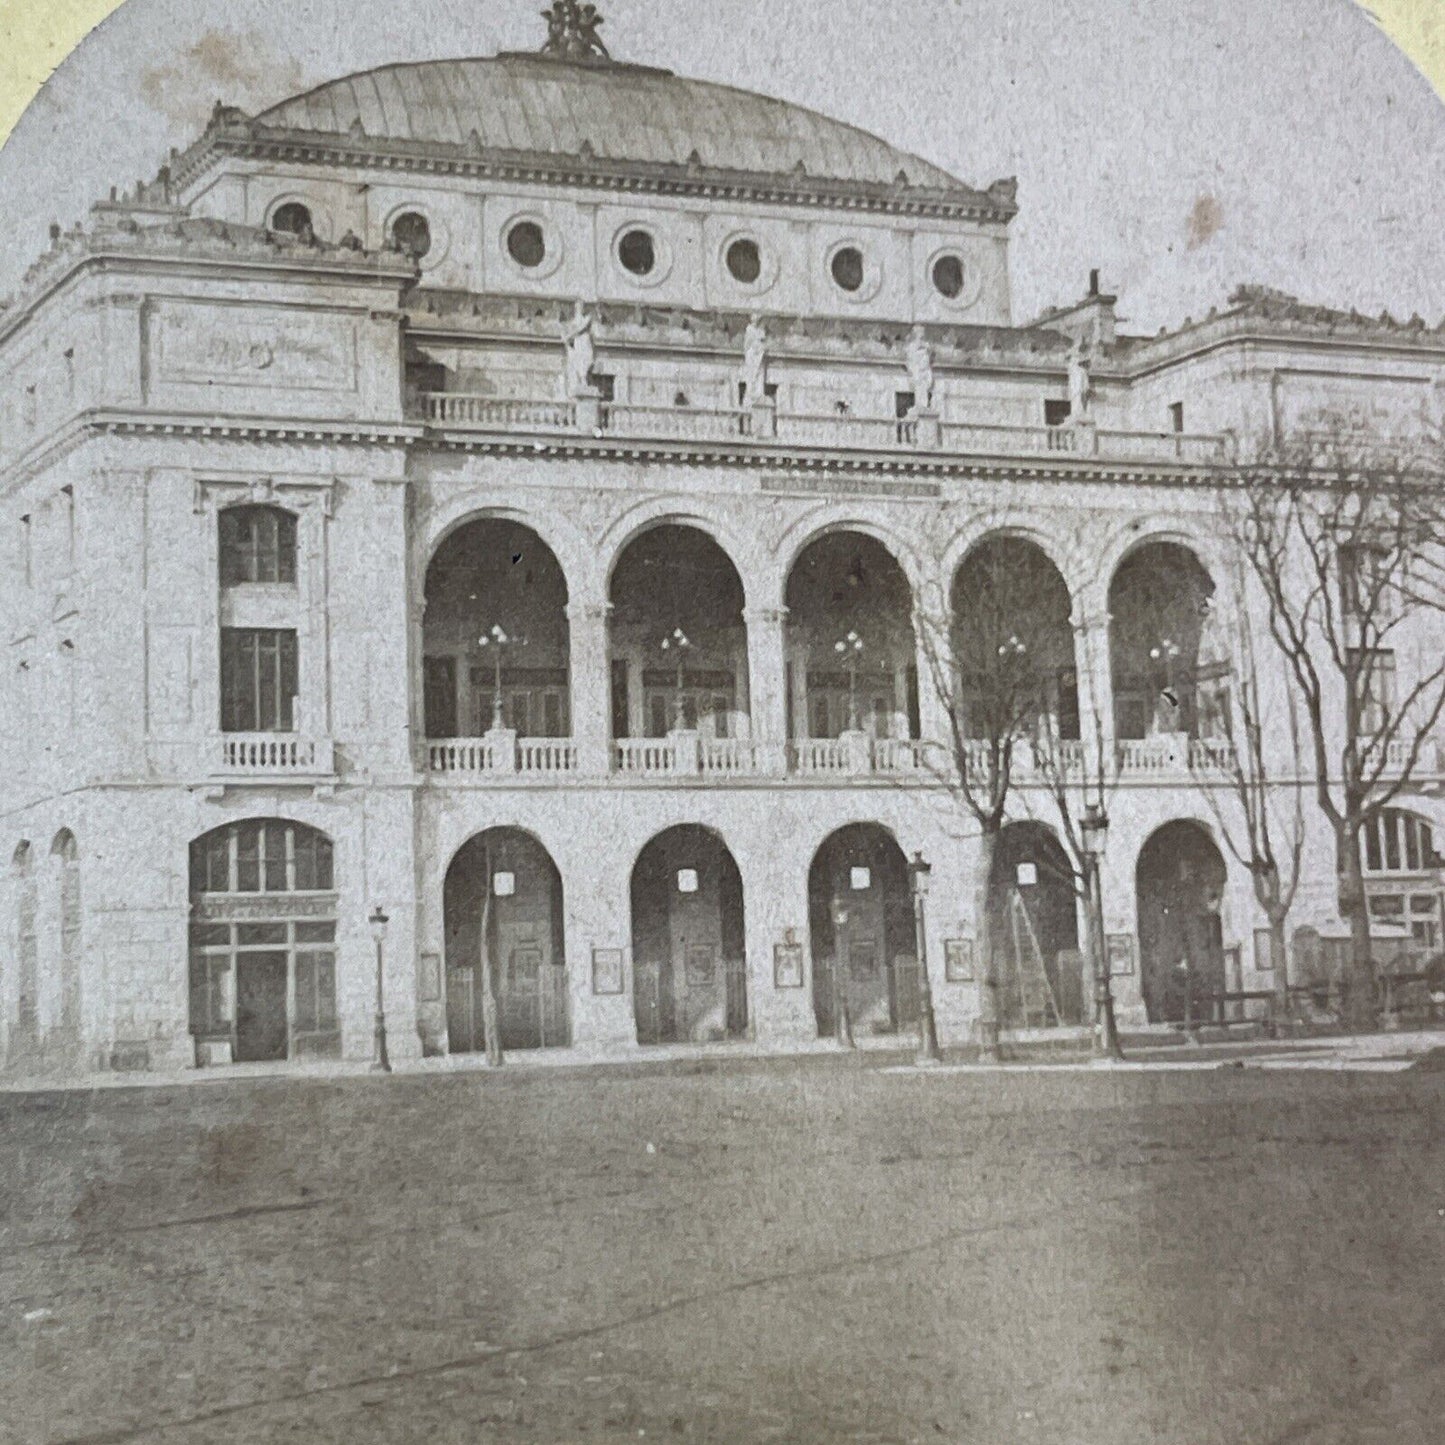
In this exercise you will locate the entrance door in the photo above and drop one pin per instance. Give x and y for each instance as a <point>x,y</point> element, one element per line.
<point>261,1032</point>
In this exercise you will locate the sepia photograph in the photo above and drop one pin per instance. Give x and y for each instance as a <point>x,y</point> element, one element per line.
<point>723,722</point>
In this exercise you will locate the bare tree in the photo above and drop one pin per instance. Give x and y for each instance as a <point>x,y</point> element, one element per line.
<point>1265,828</point>
<point>994,650</point>
<point>1342,531</point>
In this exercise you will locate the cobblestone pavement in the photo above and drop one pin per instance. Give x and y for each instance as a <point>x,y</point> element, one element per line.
<point>809,1251</point>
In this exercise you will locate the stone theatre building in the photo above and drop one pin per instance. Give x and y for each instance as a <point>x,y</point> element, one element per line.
<point>506,491</point>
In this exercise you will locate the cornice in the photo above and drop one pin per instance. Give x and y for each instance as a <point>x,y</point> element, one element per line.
<point>251,141</point>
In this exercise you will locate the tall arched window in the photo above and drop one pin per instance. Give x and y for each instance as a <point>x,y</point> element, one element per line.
<point>1403,878</point>
<point>27,1012</point>
<point>66,853</point>
<point>263,943</point>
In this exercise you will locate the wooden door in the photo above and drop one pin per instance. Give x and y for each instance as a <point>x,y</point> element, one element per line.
<point>261,1029</point>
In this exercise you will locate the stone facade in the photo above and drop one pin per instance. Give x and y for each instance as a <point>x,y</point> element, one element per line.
<point>324,317</point>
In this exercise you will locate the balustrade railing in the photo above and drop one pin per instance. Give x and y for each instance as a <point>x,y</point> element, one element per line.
<point>502,756</point>
<point>269,754</point>
<point>833,430</point>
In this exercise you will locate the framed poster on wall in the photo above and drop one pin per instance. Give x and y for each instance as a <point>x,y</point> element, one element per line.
<point>787,965</point>
<point>958,960</point>
<point>1120,951</point>
<point>606,970</point>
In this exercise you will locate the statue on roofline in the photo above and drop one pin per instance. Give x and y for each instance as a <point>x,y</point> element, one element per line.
<point>572,31</point>
<point>918,357</point>
<point>1081,382</point>
<point>581,352</point>
<point>754,372</point>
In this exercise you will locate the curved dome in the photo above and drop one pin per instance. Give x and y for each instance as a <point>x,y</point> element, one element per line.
<point>609,111</point>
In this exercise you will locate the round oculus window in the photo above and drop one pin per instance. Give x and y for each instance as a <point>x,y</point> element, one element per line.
<point>745,262</point>
<point>412,233</point>
<point>847,268</point>
<point>638,253</point>
<point>948,277</point>
<point>526,244</point>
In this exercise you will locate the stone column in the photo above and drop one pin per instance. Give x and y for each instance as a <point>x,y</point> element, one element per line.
<point>1092,664</point>
<point>934,707</point>
<point>590,675</point>
<point>767,683</point>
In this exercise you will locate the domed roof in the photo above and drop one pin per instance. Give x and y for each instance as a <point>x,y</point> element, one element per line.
<point>603,110</point>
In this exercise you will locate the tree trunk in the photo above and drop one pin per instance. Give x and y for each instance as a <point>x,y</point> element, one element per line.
<point>1359,1001</point>
<point>988,1020</point>
<point>1279,959</point>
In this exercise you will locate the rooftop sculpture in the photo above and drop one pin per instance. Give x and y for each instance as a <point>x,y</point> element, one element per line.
<point>572,32</point>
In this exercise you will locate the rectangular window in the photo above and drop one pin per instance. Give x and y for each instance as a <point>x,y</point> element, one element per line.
<point>258,544</point>
<point>259,679</point>
<point>1365,590</point>
<point>1176,416</point>
<point>439,696</point>
<point>1056,412</point>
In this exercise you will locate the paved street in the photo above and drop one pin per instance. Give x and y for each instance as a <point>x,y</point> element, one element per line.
<point>805,1251</point>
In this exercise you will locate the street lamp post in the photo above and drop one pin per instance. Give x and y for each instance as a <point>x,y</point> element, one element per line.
<point>1094,832</point>
<point>678,642</point>
<point>378,921</point>
<point>850,650</point>
<point>497,638</point>
<point>920,872</point>
<point>842,1024</point>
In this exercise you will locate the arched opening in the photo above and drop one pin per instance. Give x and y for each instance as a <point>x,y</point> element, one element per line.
<point>495,637</point>
<point>689,964</point>
<point>263,943</point>
<point>1034,926</point>
<point>1403,880</point>
<point>679,645</point>
<point>1013,642</point>
<point>66,853</point>
<point>852,670</point>
<point>502,905</point>
<point>293,219</point>
<point>27,942</point>
<point>860,921</point>
<point>1170,673</point>
<point>1179,886</point>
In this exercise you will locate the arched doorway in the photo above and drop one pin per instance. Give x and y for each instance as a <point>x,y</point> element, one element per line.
<point>1179,886</point>
<point>678,641</point>
<point>1170,673</point>
<point>66,852</point>
<point>495,635</point>
<point>504,886</point>
<point>861,876</point>
<point>27,943</point>
<point>688,958</point>
<point>263,943</point>
<point>1035,930</point>
<point>852,667</point>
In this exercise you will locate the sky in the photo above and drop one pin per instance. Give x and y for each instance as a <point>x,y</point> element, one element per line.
<point>1180,146</point>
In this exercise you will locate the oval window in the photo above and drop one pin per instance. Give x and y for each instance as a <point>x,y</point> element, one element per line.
<point>745,262</point>
<point>412,234</point>
<point>638,253</point>
<point>293,219</point>
<point>526,245</point>
<point>848,268</point>
<point>948,277</point>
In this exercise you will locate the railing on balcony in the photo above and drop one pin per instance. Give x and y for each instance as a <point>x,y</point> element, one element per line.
<point>839,430</point>
<point>855,755</point>
<point>1170,755</point>
<point>271,755</point>
<point>502,756</point>
<point>647,757</point>
<point>689,755</point>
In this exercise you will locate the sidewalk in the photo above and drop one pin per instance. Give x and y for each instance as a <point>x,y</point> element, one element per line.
<point>1154,1051</point>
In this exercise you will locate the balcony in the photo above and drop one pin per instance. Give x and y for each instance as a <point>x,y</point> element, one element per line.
<point>857,755</point>
<point>764,427</point>
<point>502,755</point>
<point>264,756</point>
<point>1170,756</point>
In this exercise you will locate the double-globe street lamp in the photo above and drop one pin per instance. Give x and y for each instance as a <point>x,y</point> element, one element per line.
<point>677,644</point>
<point>1094,834</point>
<point>850,650</point>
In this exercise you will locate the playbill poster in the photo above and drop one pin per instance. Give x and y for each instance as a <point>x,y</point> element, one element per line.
<point>721,721</point>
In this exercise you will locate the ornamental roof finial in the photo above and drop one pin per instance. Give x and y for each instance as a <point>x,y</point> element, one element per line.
<point>572,31</point>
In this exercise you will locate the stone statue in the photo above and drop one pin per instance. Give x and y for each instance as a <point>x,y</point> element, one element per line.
<point>1081,382</point>
<point>918,356</point>
<point>572,31</point>
<point>581,351</point>
<point>754,372</point>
